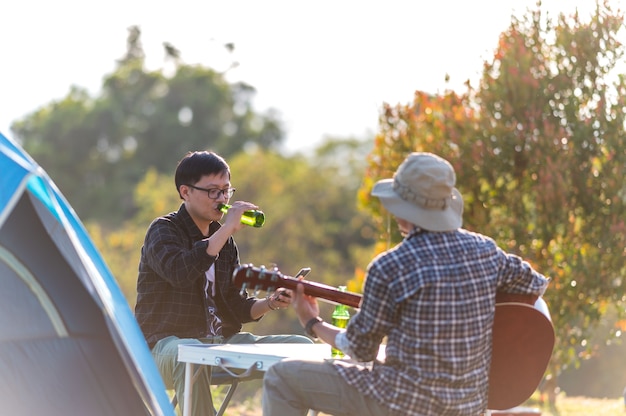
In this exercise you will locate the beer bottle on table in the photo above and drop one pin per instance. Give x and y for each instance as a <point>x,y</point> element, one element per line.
<point>340,318</point>
<point>253,217</point>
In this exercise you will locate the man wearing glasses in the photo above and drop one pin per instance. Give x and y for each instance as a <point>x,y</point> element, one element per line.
<point>184,290</point>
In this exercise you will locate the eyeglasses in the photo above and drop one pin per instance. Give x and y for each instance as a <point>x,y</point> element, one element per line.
<point>214,193</point>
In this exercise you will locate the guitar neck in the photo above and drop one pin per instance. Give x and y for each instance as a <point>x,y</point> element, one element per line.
<point>324,292</point>
<point>262,279</point>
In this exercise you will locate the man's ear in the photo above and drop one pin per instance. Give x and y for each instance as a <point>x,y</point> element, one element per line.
<point>183,192</point>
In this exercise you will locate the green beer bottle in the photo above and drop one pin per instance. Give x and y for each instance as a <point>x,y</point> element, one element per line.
<point>340,318</point>
<point>253,218</point>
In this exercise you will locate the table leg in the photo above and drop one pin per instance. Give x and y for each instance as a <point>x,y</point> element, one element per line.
<point>188,388</point>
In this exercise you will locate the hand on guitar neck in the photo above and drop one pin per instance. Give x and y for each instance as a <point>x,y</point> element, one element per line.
<point>260,278</point>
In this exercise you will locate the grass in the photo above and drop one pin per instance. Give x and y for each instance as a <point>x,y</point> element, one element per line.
<point>565,406</point>
<point>582,406</point>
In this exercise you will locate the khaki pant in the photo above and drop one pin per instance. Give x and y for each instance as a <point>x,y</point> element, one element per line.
<point>292,387</point>
<point>165,354</point>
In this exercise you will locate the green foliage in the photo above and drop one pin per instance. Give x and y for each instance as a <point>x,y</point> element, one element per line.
<point>539,153</point>
<point>309,212</point>
<point>121,249</point>
<point>155,195</point>
<point>99,148</point>
<point>120,244</point>
<point>596,376</point>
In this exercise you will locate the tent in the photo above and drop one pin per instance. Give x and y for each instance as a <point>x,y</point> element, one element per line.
<point>69,343</point>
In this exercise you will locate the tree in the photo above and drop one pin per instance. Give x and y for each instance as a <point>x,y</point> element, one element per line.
<point>559,129</point>
<point>539,153</point>
<point>99,148</point>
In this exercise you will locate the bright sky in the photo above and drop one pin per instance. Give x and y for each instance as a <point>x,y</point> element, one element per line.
<point>326,66</point>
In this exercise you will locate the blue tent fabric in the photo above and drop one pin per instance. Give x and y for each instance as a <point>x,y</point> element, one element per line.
<point>69,343</point>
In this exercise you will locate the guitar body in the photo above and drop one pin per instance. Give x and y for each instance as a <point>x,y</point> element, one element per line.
<point>523,336</point>
<point>523,339</point>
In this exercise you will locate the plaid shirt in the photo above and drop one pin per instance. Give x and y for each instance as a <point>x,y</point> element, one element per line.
<point>171,297</point>
<point>433,297</point>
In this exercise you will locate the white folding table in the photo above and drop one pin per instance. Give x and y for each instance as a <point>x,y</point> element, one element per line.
<point>250,357</point>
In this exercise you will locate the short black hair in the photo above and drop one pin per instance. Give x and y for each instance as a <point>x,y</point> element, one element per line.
<point>197,164</point>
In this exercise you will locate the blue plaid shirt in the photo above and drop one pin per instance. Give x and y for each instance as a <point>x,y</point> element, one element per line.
<point>433,296</point>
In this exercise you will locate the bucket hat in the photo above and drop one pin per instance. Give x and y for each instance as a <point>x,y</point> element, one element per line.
<point>422,191</point>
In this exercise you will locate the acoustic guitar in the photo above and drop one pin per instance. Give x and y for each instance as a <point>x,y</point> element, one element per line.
<point>523,335</point>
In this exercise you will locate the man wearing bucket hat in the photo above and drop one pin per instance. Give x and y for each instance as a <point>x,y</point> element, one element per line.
<point>432,297</point>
